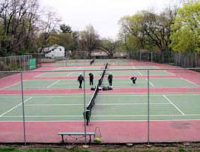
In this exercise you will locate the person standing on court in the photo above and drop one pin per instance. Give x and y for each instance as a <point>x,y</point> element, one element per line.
<point>92,61</point>
<point>110,78</point>
<point>91,77</point>
<point>133,78</point>
<point>80,80</point>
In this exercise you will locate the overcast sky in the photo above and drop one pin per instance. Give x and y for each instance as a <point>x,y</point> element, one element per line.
<point>102,14</point>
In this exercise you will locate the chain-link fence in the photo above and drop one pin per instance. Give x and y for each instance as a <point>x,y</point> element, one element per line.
<point>184,59</point>
<point>161,105</point>
<point>22,62</point>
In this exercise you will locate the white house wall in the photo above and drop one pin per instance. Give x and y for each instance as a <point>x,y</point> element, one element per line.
<point>56,52</point>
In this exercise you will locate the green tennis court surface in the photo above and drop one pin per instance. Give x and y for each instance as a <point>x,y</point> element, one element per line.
<point>118,106</point>
<point>167,106</point>
<point>116,71</point>
<point>117,83</point>
<point>87,62</point>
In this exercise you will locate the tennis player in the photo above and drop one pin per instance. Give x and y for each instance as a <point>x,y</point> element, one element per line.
<point>80,80</point>
<point>110,78</point>
<point>91,77</point>
<point>133,78</point>
<point>92,61</point>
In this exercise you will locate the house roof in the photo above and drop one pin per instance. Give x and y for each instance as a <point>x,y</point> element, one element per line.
<point>50,48</point>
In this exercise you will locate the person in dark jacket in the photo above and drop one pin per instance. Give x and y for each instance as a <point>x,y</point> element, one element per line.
<point>91,77</point>
<point>133,78</point>
<point>80,80</point>
<point>92,61</point>
<point>110,78</point>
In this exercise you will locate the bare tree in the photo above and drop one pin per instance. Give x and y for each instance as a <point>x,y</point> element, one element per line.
<point>21,22</point>
<point>109,46</point>
<point>89,40</point>
<point>18,18</point>
<point>49,22</point>
<point>157,28</point>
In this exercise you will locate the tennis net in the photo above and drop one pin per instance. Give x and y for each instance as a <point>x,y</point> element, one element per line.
<point>92,101</point>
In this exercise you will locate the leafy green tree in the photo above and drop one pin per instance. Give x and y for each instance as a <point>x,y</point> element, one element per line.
<point>185,34</point>
<point>65,28</point>
<point>147,30</point>
<point>64,39</point>
<point>131,32</point>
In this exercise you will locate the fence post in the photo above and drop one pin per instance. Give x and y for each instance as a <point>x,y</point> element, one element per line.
<point>148,108</point>
<point>84,108</point>
<point>20,63</point>
<point>23,111</point>
<point>24,62</point>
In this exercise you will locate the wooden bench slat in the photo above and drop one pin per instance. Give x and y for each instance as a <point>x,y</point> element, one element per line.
<point>76,133</point>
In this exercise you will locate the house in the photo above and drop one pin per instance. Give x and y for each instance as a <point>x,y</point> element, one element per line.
<point>54,51</point>
<point>122,54</point>
<point>99,54</point>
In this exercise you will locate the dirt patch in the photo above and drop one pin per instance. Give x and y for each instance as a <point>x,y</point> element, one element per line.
<point>111,147</point>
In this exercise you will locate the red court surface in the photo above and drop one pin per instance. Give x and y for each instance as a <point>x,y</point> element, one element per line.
<point>110,131</point>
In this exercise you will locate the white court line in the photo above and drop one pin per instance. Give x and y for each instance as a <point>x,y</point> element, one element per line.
<point>191,82</point>
<point>120,95</point>
<point>53,121</point>
<point>70,73</point>
<point>174,94</point>
<point>15,107</point>
<point>107,104</point>
<point>133,115</point>
<point>173,104</point>
<point>138,72</point>
<point>106,95</point>
<point>150,83</point>
<point>52,84</point>
<point>12,85</point>
<point>60,96</point>
<point>55,70</point>
<point>49,116</point>
<point>41,116</point>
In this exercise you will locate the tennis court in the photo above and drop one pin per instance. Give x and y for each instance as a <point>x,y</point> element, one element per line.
<point>162,106</point>
<point>107,107</point>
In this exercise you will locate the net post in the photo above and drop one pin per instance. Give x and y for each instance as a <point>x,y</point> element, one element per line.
<point>148,108</point>
<point>23,111</point>
<point>84,106</point>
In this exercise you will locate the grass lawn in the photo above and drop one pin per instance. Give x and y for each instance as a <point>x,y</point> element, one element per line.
<point>118,149</point>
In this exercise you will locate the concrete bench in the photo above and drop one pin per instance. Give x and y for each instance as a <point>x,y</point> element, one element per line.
<point>90,134</point>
